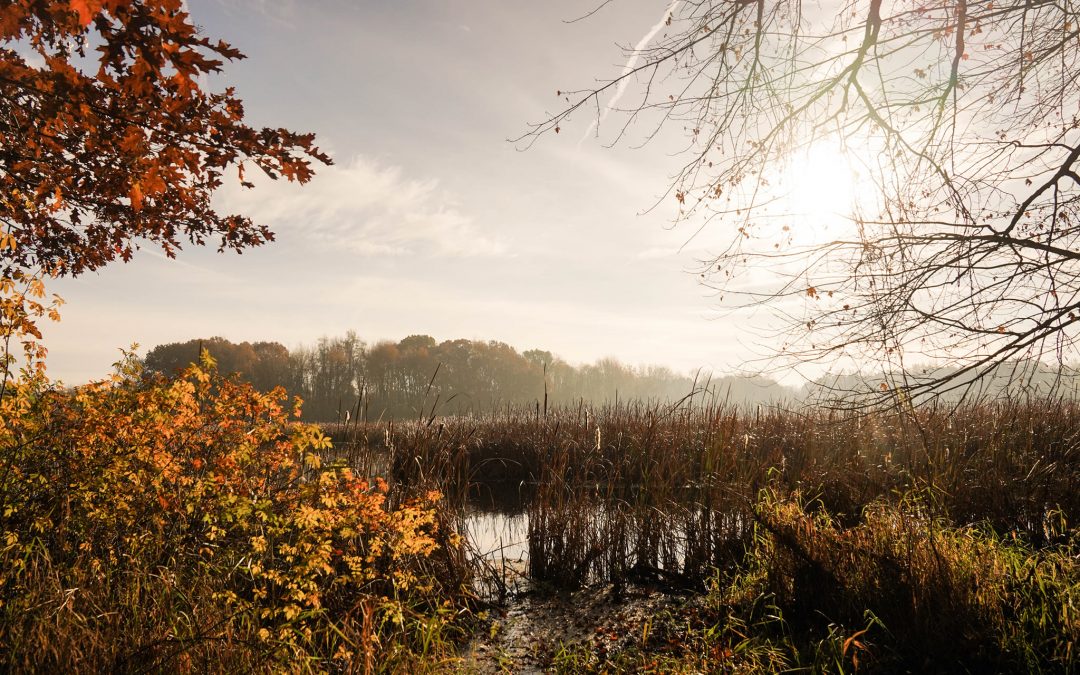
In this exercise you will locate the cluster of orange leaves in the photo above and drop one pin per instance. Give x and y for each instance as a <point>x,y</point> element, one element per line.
<point>202,479</point>
<point>115,143</point>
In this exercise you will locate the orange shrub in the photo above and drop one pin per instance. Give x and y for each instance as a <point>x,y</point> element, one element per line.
<point>190,523</point>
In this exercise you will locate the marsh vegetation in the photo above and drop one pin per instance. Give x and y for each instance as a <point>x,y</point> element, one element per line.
<point>928,539</point>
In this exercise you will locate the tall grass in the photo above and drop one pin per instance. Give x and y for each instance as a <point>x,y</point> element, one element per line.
<point>667,491</point>
<point>900,592</point>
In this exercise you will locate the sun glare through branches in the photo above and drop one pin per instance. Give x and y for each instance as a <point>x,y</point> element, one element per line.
<point>819,196</point>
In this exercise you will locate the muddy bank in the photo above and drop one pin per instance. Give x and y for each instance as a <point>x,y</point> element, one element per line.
<point>540,631</point>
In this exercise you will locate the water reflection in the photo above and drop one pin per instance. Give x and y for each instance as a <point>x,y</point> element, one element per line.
<point>497,526</point>
<point>569,538</point>
<point>496,535</point>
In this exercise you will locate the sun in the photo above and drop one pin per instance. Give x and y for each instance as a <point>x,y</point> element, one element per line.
<point>820,194</point>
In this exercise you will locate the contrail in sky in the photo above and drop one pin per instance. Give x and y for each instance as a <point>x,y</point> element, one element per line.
<point>631,63</point>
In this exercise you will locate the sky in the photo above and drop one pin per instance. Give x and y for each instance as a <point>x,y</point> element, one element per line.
<point>430,221</point>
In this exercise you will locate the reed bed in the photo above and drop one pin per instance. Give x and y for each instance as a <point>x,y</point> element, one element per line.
<point>900,592</point>
<point>668,492</point>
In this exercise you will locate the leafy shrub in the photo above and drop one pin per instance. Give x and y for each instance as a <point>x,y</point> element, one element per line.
<point>190,524</point>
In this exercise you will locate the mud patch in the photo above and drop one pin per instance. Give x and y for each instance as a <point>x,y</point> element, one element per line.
<point>529,633</point>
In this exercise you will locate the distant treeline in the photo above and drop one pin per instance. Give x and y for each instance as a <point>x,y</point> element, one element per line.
<point>419,375</point>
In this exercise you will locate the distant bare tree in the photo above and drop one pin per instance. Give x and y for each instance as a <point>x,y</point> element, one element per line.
<point>960,123</point>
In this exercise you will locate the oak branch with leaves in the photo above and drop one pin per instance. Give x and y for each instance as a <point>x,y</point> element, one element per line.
<point>109,140</point>
<point>957,121</point>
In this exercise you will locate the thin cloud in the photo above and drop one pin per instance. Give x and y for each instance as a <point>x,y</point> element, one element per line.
<point>281,12</point>
<point>658,253</point>
<point>368,209</point>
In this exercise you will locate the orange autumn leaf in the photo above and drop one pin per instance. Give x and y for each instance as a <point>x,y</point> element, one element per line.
<point>86,9</point>
<point>136,197</point>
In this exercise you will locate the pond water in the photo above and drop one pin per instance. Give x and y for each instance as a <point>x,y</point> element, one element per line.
<point>496,526</point>
<point>593,538</point>
<point>498,536</point>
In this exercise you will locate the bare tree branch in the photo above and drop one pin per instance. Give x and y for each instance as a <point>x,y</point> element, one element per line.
<point>962,120</point>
